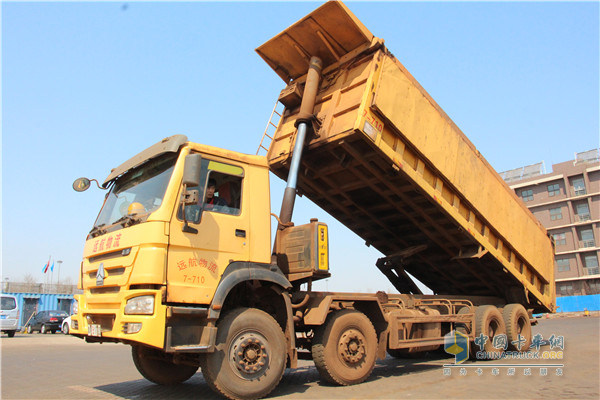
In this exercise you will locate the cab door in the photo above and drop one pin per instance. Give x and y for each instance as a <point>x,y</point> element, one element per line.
<point>196,260</point>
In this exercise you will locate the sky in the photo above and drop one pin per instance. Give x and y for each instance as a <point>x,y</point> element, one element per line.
<point>85,86</point>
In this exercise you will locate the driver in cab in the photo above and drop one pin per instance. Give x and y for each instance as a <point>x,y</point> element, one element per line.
<point>213,202</point>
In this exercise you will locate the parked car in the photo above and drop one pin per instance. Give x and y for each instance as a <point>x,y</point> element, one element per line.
<point>66,325</point>
<point>9,315</point>
<point>46,321</point>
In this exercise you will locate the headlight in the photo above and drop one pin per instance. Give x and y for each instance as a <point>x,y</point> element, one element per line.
<point>140,305</point>
<point>75,307</point>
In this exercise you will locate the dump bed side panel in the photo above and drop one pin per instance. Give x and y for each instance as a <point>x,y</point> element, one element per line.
<point>422,184</point>
<point>388,163</point>
<point>414,115</point>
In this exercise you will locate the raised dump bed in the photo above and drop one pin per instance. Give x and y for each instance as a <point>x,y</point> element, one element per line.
<point>386,161</point>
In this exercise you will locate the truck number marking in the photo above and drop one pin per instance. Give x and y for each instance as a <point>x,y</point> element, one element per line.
<point>193,279</point>
<point>373,121</point>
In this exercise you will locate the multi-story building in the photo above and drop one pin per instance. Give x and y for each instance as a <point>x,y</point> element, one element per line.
<point>567,202</point>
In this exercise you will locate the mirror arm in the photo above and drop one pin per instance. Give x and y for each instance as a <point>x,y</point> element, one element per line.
<point>98,184</point>
<point>186,227</point>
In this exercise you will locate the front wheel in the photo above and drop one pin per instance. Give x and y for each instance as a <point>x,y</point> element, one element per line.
<point>29,329</point>
<point>250,355</point>
<point>345,348</point>
<point>65,329</point>
<point>158,367</point>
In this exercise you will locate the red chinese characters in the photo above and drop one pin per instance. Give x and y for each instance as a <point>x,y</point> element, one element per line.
<point>111,242</point>
<point>197,263</point>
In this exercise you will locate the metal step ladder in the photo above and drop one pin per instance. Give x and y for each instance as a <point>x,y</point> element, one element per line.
<point>271,127</point>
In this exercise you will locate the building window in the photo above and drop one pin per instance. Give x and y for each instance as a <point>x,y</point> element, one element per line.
<point>579,187</point>
<point>563,264</point>
<point>591,264</point>
<point>527,195</point>
<point>555,213</point>
<point>553,190</point>
<point>560,239</point>
<point>565,289</point>
<point>582,212</point>
<point>587,238</point>
<point>594,286</point>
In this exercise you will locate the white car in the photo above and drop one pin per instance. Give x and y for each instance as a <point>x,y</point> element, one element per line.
<point>66,325</point>
<point>9,315</point>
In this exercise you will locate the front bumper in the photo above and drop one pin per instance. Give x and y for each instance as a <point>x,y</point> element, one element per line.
<point>107,311</point>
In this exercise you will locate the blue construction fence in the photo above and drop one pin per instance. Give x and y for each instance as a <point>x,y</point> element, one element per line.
<point>578,303</point>
<point>30,303</point>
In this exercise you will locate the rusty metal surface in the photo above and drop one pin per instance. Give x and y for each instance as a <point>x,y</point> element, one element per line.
<point>329,32</point>
<point>392,187</point>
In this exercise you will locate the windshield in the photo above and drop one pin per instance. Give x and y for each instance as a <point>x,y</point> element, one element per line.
<point>136,194</point>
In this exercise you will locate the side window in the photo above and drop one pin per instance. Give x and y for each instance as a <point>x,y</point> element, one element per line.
<point>223,193</point>
<point>220,190</point>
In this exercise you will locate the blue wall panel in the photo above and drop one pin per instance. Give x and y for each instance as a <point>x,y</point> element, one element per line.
<point>578,303</point>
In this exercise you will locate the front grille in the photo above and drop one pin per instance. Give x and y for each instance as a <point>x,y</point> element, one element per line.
<point>109,272</point>
<point>112,254</point>
<point>105,289</point>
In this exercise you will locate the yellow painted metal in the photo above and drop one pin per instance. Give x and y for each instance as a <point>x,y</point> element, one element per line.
<point>187,266</point>
<point>391,165</point>
<point>110,308</point>
<point>197,261</point>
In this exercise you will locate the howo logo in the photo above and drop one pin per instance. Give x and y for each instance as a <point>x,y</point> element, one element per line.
<point>100,275</point>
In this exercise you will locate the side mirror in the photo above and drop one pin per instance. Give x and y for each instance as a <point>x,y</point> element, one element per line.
<point>81,184</point>
<point>190,198</point>
<point>191,170</point>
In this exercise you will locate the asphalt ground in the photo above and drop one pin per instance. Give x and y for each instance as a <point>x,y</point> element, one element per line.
<point>63,367</point>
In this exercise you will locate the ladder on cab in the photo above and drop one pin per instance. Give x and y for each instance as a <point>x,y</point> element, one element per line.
<point>271,128</point>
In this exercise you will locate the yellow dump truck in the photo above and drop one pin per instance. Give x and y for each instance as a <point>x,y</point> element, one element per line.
<point>179,263</point>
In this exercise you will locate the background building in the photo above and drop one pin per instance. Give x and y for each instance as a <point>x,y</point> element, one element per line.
<point>567,202</point>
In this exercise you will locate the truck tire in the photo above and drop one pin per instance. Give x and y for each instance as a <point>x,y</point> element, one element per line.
<point>489,322</point>
<point>250,355</point>
<point>345,348</point>
<point>157,367</point>
<point>517,323</point>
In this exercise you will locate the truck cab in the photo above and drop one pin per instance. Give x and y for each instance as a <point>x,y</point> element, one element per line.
<point>148,248</point>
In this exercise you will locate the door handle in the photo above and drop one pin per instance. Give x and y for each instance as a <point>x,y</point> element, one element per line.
<point>240,233</point>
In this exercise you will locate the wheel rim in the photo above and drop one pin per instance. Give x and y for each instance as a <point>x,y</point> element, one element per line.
<point>351,347</point>
<point>249,355</point>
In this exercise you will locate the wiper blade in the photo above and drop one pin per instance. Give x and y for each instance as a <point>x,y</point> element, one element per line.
<point>97,230</point>
<point>127,220</point>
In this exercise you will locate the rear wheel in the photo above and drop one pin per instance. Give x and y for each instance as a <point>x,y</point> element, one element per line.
<point>489,322</point>
<point>43,329</point>
<point>11,333</point>
<point>158,367</point>
<point>518,324</point>
<point>250,355</point>
<point>344,349</point>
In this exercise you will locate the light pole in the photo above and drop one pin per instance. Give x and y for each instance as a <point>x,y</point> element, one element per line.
<point>59,262</point>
